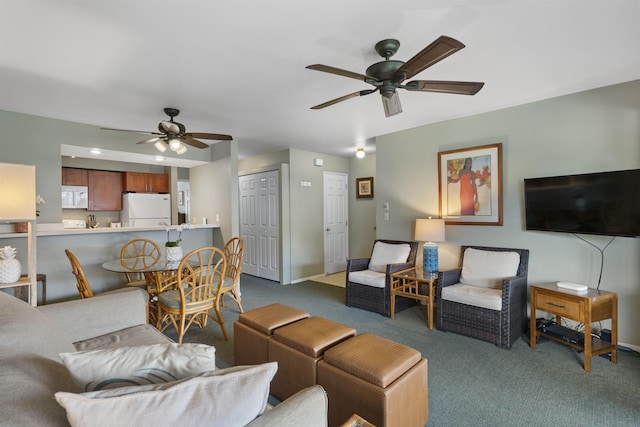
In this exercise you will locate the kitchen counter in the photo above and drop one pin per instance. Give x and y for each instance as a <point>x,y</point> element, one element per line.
<point>93,247</point>
<point>57,230</point>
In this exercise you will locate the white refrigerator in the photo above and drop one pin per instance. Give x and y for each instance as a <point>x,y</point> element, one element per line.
<point>145,210</point>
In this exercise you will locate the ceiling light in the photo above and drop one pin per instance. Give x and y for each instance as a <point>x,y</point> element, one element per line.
<point>175,144</point>
<point>360,153</point>
<point>391,105</point>
<point>182,149</point>
<point>161,146</point>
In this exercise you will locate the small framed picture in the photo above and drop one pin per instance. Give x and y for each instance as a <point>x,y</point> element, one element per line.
<point>364,188</point>
<point>470,185</point>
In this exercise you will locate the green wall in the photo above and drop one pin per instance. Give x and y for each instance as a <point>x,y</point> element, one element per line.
<point>592,131</point>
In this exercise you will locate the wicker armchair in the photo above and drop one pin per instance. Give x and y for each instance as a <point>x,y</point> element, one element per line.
<point>500,327</point>
<point>375,298</point>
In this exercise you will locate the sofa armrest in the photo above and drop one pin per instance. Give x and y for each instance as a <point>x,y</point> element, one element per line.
<point>100,315</point>
<point>307,407</point>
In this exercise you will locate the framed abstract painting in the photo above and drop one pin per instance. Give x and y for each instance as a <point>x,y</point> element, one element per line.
<point>470,185</point>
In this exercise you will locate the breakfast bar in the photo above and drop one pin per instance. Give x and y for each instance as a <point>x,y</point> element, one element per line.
<point>93,247</point>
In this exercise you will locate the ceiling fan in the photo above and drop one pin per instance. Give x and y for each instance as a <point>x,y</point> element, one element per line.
<point>173,135</point>
<point>388,75</point>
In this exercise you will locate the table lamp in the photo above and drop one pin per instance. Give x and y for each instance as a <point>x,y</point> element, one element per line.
<point>17,192</point>
<point>430,231</point>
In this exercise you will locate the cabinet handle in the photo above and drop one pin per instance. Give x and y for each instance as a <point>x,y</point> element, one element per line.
<point>556,305</point>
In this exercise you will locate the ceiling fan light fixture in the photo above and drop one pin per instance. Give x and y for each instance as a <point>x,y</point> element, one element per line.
<point>161,146</point>
<point>391,105</point>
<point>360,153</point>
<point>182,149</point>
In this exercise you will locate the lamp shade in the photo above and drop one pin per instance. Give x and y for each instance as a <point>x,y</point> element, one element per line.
<point>429,230</point>
<point>17,192</point>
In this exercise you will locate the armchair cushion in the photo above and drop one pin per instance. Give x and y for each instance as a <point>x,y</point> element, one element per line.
<point>388,253</point>
<point>368,277</point>
<point>487,269</point>
<point>474,295</point>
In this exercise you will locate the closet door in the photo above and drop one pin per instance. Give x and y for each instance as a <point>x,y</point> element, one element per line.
<point>260,224</point>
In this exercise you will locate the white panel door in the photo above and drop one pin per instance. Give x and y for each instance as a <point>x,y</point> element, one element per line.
<point>248,223</point>
<point>260,224</point>
<point>336,232</point>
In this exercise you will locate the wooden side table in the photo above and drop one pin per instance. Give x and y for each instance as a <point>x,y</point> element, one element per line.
<point>408,284</point>
<point>588,307</point>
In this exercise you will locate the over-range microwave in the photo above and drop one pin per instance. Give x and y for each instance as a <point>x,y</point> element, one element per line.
<point>75,197</point>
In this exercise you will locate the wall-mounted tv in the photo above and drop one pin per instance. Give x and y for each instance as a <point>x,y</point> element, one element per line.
<point>606,203</point>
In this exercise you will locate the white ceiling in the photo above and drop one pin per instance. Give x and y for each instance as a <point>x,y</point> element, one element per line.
<point>238,67</point>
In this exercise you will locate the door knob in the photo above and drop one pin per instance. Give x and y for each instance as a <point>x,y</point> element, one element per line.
<point>328,229</point>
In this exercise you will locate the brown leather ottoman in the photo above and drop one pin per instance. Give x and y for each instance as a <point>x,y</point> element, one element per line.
<point>254,329</point>
<point>297,348</point>
<point>381,380</point>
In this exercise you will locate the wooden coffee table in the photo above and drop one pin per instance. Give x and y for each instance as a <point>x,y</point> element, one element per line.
<point>414,283</point>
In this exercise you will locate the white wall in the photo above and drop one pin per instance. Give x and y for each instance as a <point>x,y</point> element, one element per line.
<point>211,196</point>
<point>597,130</point>
<point>362,212</point>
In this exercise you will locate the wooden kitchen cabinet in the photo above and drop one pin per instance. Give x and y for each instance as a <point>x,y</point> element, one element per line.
<point>73,176</point>
<point>105,190</point>
<point>141,182</point>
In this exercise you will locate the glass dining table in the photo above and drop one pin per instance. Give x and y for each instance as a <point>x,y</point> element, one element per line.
<point>156,271</point>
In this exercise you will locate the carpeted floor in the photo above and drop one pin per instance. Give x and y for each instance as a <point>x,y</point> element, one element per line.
<point>471,382</point>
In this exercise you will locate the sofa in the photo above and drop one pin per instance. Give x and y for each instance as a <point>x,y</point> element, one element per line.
<point>39,345</point>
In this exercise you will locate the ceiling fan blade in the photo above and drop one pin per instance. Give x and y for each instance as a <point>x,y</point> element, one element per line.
<point>135,131</point>
<point>442,47</point>
<point>460,88</point>
<point>150,140</point>
<point>193,142</point>
<point>215,136</point>
<point>344,98</point>
<point>170,127</point>
<point>338,71</point>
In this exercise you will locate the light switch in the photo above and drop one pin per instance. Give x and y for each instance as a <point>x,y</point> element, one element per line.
<point>385,206</point>
<point>386,216</point>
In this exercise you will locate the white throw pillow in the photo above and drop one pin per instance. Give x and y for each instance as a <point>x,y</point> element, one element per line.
<point>388,253</point>
<point>226,397</point>
<point>138,365</point>
<point>488,268</point>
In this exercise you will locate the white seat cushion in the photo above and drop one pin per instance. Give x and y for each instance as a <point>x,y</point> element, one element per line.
<point>488,268</point>
<point>368,277</point>
<point>388,253</point>
<point>473,295</point>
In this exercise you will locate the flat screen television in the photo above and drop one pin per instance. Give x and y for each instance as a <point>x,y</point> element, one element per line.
<point>605,203</point>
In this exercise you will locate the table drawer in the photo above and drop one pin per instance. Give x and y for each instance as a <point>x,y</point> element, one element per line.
<point>559,306</point>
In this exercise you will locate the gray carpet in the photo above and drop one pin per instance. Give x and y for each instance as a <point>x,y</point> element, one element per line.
<point>471,382</point>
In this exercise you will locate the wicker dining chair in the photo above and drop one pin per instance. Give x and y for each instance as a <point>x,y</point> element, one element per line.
<point>376,298</point>
<point>502,316</point>
<point>137,248</point>
<point>84,288</point>
<point>189,298</point>
<point>82,283</point>
<point>234,251</point>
